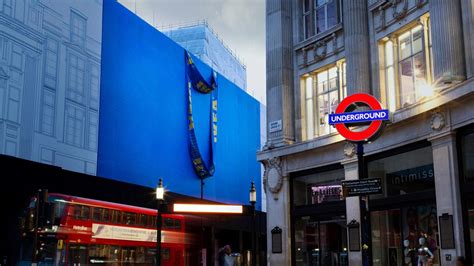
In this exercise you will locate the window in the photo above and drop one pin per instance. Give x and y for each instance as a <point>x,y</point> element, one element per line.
<point>407,67</point>
<point>48,112</point>
<point>97,214</point>
<point>325,15</point>
<point>128,218</point>
<point>318,188</point>
<point>467,148</point>
<point>81,212</point>
<point>142,219</point>
<point>95,74</point>
<point>75,119</point>
<point>307,19</point>
<point>93,129</point>
<point>319,16</point>
<point>76,73</point>
<point>51,63</point>
<point>170,223</point>
<point>322,92</point>
<point>78,29</point>
<point>13,104</point>
<point>115,216</point>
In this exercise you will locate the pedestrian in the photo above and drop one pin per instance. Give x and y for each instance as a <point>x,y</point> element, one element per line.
<point>225,258</point>
<point>461,261</point>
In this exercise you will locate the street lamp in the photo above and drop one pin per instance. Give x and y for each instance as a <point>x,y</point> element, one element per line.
<point>253,200</point>
<point>160,196</point>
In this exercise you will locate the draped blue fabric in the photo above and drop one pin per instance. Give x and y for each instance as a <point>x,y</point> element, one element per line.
<point>194,80</point>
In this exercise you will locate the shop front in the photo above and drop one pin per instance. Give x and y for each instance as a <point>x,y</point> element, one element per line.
<point>466,147</point>
<point>404,227</point>
<point>319,235</point>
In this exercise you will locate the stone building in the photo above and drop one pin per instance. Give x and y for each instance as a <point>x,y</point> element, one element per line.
<point>416,58</point>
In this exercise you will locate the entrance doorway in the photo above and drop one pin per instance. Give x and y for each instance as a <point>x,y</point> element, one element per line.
<point>321,242</point>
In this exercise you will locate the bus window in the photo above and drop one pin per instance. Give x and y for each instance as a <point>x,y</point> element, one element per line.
<point>152,223</point>
<point>97,214</point>
<point>142,219</point>
<point>170,223</point>
<point>115,216</point>
<point>81,212</point>
<point>106,216</point>
<point>128,218</point>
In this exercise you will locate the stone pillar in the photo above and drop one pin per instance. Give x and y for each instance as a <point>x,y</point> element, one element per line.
<point>351,172</point>
<point>279,36</point>
<point>447,41</point>
<point>277,187</point>
<point>448,195</point>
<point>356,46</point>
<point>467,9</point>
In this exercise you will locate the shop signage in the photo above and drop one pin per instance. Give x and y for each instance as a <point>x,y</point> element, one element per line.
<point>361,187</point>
<point>326,193</point>
<point>342,117</point>
<point>423,173</point>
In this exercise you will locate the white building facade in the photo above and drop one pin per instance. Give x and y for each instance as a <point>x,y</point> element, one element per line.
<point>416,58</point>
<point>50,81</point>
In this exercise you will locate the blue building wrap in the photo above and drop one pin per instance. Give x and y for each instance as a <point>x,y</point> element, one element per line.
<point>143,124</point>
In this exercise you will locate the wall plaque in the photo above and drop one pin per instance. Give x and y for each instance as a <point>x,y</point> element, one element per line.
<point>277,243</point>
<point>446,231</point>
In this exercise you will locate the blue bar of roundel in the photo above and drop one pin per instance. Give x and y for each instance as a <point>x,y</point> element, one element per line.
<point>334,117</point>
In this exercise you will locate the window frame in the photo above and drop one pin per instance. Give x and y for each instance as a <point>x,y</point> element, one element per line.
<point>340,87</point>
<point>391,89</point>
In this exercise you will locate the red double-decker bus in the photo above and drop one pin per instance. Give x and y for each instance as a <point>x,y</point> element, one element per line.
<point>80,231</point>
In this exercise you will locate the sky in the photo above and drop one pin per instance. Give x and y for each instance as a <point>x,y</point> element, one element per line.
<point>239,23</point>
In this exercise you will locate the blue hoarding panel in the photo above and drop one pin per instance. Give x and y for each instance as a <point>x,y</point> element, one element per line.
<point>143,125</point>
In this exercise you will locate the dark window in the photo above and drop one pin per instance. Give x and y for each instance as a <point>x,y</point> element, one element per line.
<point>142,219</point>
<point>318,188</point>
<point>404,173</point>
<point>81,212</point>
<point>115,216</point>
<point>128,218</point>
<point>468,156</point>
<point>152,221</point>
<point>97,214</point>
<point>106,215</point>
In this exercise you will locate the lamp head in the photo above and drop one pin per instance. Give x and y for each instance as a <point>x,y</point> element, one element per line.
<point>253,193</point>
<point>160,190</point>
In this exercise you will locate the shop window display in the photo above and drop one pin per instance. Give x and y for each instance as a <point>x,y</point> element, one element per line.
<point>318,188</point>
<point>408,234</point>
<point>405,236</point>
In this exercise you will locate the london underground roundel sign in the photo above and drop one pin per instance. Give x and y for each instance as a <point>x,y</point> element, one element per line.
<point>374,117</point>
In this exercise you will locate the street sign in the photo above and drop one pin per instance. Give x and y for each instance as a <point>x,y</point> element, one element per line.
<point>375,116</point>
<point>361,187</point>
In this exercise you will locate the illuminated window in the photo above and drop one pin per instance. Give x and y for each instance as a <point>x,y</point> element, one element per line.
<point>407,66</point>
<point>322,90</point>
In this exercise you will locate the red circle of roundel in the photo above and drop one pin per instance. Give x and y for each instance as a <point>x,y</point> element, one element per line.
<point>374,125</point>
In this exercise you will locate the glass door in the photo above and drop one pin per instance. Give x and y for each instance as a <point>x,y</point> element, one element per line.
<point>77,255</point>
<point>320,242</point>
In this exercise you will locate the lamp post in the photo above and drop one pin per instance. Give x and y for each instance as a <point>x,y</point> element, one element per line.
<point>253,200</point>
<point>160,195</point>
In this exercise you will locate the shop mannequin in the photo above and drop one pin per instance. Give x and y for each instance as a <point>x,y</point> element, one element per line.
<point>407,253</point>
<point>424,253</point>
